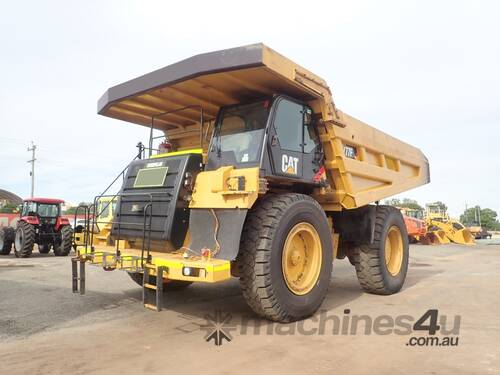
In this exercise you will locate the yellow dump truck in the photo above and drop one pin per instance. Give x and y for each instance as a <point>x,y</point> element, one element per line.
<point>265,179</point>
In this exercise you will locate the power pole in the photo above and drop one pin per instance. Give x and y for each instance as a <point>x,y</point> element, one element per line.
<point>32,173</point>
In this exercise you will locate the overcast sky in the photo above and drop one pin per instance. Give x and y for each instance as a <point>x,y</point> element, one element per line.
<point>427,72</point>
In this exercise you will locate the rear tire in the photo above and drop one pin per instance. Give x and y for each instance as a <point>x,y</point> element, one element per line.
<point>44,248</point>
<point>169,285</point>
<point>7,235</point>
<point>285,257</point>
<point>64,247</point>
<point>381,267</point>
<point>24,240</point>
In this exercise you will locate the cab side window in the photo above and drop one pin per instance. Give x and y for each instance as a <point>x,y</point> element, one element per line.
<point>310,139</point>
<point>288,124</point>
<point>28,207</point>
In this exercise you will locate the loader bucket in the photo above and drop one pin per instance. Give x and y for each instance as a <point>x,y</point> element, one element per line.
<point>435,237</point>
<point>441,237</point>
<point>461,236</point>
<point>453,230</point>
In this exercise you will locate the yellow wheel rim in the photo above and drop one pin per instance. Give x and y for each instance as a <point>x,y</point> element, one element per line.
<point>301,260</point>
<point>394,250</point>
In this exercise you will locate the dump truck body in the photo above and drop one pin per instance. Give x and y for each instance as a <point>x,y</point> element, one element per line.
<point>260,151</point>
<point>362,164</point>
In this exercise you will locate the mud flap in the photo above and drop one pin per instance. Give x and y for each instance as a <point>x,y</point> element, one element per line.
<point>355,226</point>
<point>203,229</point>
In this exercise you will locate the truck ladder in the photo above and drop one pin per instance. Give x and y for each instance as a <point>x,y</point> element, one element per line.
<point>152,294</point>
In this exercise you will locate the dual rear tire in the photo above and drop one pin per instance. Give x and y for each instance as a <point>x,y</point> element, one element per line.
<point>381,266</point>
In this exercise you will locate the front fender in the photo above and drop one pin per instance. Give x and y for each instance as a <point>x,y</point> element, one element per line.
<point>226,225</point>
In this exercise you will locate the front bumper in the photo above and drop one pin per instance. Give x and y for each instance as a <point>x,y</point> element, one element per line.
<point>175,265</point>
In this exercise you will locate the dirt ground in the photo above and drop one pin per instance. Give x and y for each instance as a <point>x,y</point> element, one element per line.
<point>45,329</point>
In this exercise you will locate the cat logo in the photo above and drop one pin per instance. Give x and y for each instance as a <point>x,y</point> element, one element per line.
<point>289,164</point>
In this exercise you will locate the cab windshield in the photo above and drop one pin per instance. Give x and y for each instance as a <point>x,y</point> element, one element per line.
<point>48,210</point>
<point>41,209</point>
<point>239,133</point>
<point>106,208</point>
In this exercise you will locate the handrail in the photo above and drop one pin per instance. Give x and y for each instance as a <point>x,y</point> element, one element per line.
<point>147,221</point>
<point>93,212</point>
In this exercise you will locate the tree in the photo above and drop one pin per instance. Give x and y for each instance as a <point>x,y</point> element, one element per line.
<point>72,210</point>
<point>404,203</point>
<point>488,217</point>
<point>393,202</point>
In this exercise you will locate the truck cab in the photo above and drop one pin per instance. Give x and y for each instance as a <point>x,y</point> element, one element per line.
<point>276,134</point>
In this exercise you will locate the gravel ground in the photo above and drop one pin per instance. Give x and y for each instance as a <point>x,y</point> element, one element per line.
<point>45,329</point>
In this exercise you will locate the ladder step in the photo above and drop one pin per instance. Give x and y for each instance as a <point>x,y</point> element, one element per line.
<point>150,306</point>
<point>152,292</point>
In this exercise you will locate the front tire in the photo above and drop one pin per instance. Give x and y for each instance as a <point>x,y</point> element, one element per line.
<point>24,240</point>
<point>7,235</point>
<point>64,246</point>
<point>44,248</point>
<point>381,267</point>
<point>285,258</point>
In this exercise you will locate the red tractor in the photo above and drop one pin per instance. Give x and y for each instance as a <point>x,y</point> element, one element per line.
<point>41,223</point>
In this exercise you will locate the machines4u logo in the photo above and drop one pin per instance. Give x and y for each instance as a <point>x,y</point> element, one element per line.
<point>289,164</point>
<point>432,329</point>
<point>218,327</point>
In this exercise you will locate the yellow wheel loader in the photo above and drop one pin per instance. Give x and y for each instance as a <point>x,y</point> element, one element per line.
<point>439,222</point>
<point>265,180</point>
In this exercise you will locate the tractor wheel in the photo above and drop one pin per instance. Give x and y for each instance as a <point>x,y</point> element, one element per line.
<point>169,285</point>
<point>24,240</point>
<point>44,248</point>
<point>64,247</point>
<point>7,235</point>
<point>381,266</point>
<point>285,257</point>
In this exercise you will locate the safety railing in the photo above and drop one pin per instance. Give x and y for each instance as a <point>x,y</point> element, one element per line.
<point>148,199</point>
